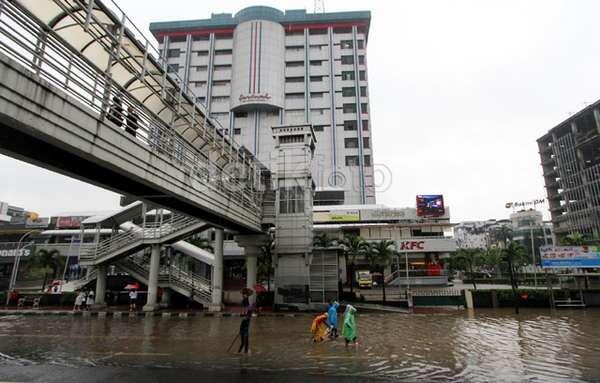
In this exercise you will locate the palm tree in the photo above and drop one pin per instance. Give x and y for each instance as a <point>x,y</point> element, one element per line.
<point>353,245</point>
<point>323,240</point>
<point>383,251</point>
<point>468,260</point>
<point>514,256</point>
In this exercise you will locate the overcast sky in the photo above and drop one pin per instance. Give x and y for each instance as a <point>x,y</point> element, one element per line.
<point>460,90</point>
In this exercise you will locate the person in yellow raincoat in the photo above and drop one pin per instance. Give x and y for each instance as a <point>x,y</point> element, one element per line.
<point>319,328</point>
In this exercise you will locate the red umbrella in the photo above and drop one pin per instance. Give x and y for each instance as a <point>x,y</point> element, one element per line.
<point>132,286</point>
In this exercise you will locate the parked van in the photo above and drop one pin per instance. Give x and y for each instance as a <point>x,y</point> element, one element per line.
<point>364,279</point>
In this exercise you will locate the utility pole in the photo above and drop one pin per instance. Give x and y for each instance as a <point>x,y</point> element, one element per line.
<point>533,256</point>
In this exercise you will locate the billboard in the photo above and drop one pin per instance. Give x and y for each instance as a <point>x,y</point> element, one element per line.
<point>336,216</point>
<point>69,222</point>
<point>430,205</point>
<point>570,256</point>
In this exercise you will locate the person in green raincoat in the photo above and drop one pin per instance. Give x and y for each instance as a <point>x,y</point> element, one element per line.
<point>349,329</point>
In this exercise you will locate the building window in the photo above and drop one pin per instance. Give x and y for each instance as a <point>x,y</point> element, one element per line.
<point>367,160</point>
<point>348,75</point>
<point>220,99</point>
<point>366,143</point>
<point>360,44</point>
<point>364,108</point>
<point>346,44</point>
<point>350,143</point>
<point>350,125</point>
<point>202,53</point>
<point>299,32</point>
<point>201,100</point>
<point>294,64</point>
<point>199,84</point>
<point>316,94</point>
<point>318,110</point>
<point>321,31</point>
<point>294,48</point>
<point>316,62</point>
<point>319,128</point>
<point>351,160</point>
<point>294,79</point>
<point>221,67</point>
<point>201,68</point>
<point>362,75</point>
<point>291,200</point>
<point>316,78</point>
<point>347,59</point>
<point>361,60</point>
<point>223,52</point>
<point>172,53</point>
<point>237,131</point>
<point>220,82</point>
<point>349,108</point>
<point>318,47</point>
<point>365,125</point>
<point>348,91</point>
<point>294,96</point>
<point>172,68</point>
<point>240,114</point>
<point>363,91</point>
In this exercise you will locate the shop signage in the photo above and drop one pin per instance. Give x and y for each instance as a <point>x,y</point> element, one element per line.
<point>424,245</point>
<point>254,97</point>
<point>518,204</point>
<point>387,214</point>
<point>570,256</point>
<point>336,216</point>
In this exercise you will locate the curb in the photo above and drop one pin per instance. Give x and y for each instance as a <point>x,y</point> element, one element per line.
<point>140,314</point>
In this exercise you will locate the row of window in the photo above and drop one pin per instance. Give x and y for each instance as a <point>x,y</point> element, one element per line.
<point>353,160</point>
<point>216,83</point>
<point>349,59</point>
<point>296,64</point>
<point>350,91</point>
<point>349,44</point>
<point>352,142</point>
<point>351,108</point>
<point>176,52</point>
<point>323,31</point>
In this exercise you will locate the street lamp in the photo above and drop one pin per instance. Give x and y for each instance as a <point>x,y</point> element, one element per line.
<point>15,269</point>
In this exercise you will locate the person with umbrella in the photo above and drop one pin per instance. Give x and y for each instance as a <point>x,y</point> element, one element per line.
<point>133,296</point>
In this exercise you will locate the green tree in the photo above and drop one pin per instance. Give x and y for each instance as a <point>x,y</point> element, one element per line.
<point>468,260</point>
<point>265,261</point>
<point>49,259</point>
<point>515,256</point>
<point>492,258</point>
<point>574,239</point>
<point>323,240</point>
<point>353,245</point>
<point>501,235</point>
<point>382,253</point>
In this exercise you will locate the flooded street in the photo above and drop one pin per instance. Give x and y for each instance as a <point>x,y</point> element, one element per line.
<point>485,346</point>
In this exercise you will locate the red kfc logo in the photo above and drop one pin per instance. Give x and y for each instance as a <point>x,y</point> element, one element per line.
<point>412,245</point>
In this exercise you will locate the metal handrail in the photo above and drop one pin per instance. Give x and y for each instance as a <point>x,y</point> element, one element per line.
<point>43,51</point>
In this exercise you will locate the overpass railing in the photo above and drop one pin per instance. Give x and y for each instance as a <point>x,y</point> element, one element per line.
<point>133,91</point>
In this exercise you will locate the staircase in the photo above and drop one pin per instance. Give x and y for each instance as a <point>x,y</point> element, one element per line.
<point>76,284</point>
<point>137,238</point>
<point>169,276</point>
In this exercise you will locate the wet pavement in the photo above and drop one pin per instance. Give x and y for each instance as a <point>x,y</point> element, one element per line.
<point>490,345</point>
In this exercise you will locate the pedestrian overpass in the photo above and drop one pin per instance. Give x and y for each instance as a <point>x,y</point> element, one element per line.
<point>85,94</point>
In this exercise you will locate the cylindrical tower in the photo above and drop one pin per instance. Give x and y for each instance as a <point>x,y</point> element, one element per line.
<point>258,78</point>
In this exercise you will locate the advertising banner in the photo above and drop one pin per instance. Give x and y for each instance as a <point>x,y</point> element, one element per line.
<point>387,214</point>
<point>69,222</point>
<point>570,256</point>
<point>336,216</point>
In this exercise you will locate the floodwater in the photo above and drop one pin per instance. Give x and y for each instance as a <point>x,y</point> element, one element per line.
<point>494,345</point>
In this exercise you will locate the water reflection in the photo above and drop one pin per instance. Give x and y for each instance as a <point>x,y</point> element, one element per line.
<point>478,347</point>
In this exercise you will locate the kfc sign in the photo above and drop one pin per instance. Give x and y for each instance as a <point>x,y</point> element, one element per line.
<point>411,245</point>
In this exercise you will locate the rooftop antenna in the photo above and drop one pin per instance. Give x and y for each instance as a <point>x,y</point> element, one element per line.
<point>319,6</point>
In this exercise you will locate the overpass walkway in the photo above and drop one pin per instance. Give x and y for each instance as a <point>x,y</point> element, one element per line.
<point>84,93</point>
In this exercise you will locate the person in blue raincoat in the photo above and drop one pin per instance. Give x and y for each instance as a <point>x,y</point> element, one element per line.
<point>332,319</point>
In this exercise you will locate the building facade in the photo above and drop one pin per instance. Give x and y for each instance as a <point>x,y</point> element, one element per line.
<point>570,156</point>
<point>263,67</point>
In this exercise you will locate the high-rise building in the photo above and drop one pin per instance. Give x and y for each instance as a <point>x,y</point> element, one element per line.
<point>263,67</point>
<point>570,154</point>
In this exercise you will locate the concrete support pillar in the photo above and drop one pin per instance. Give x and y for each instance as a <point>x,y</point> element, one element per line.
<point>153,279</point>
<point>251,253</point>
<point>217,282</point>
<point>101,286</point>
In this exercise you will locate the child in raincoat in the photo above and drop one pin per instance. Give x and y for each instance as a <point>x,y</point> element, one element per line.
<point>332,319</point>
<point>319,328</point>
<point>349,329</point>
